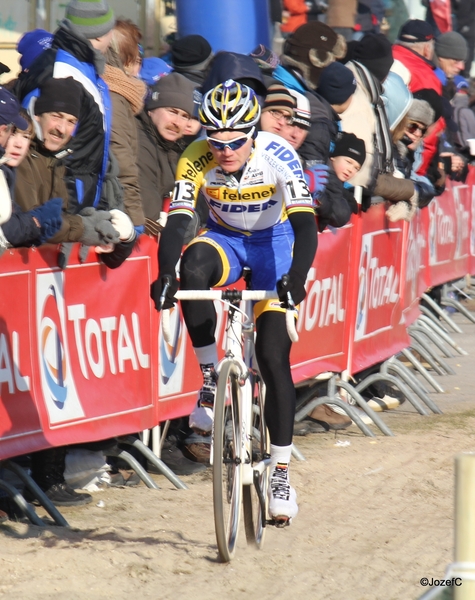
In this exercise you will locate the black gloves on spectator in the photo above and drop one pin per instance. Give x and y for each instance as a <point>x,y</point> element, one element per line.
<point>49,217</point>
<point>156,291</point>
<point>294,283</point>
<point>98,229</point>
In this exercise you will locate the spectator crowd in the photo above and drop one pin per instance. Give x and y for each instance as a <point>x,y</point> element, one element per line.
<point>91,132</point>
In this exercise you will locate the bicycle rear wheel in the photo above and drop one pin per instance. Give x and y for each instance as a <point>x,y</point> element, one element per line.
<point>255,508</point>
<point>227,466</point>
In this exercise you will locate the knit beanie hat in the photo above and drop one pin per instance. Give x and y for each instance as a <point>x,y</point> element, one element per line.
<point>301,111</point>
<point>278,98</point>
<point>265,58</point>
<point>31,45</point>
<point>311,48</point>
<point>451,45</point>
<point>191,51</point>
<point>421,112</point>
<point>374,51</point>
<point>60,95</point>
<point>426,100</point>
<point>92,18</point>
<point>347,144</point>
<point>416,30</point>
<point>153,69</point>
<point>337,83</point>
<point>175,91</point>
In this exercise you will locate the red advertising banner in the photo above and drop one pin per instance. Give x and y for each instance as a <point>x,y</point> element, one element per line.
<point>324,322</point>
<point>76,352</point>
<point>82,356</point>
<point>378,328</point>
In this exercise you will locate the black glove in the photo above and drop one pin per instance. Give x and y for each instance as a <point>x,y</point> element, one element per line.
<point>157,288</point>
<point>293,283</point>
<point>49,217</point>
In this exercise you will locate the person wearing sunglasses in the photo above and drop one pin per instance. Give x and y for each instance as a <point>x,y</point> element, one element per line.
<point>259,206</point>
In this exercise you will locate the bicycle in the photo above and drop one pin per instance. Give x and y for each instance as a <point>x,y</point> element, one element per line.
<point>240,442</point>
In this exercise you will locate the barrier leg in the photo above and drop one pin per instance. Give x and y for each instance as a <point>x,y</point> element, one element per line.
<point>422,370</point>
<point>460,307</point>
<point>430,315</point>
<point>441,313</point>
<point>361,402</point>
<point>297,454</point>
<point>37,492</point>
<point>22,504</point>
<point>135,465</point>
<point>352,414</point>
<point>433,337</point>
<point>419,344</point>
<point>412,398</point>
<point>427,322</point>
<point>421,339</point>
<point>405,374</point>
<point>150,456</point>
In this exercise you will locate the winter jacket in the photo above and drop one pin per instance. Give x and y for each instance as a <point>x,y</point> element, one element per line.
<point>157,161</point>
<point>20,229</point>
<point>297,11</point>
<point>127,95</point>
<point>341,13</point>
<point>422,70</point>
<point>72,55</point>
<point>40,177</point>
<point>359,119</point>
<point>465,119</point>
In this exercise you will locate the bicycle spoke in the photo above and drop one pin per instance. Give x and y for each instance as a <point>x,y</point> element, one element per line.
<point>227,481</point>
<point>255,508</point>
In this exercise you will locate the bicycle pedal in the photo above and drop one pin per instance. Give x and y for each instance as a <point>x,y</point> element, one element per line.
<point>279,522</point>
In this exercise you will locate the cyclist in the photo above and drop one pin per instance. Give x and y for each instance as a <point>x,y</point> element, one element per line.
<point>261,216</point>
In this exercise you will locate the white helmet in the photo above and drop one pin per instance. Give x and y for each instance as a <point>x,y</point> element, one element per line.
<point>230,105</point>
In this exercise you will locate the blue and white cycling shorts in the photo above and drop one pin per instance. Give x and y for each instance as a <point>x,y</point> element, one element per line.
<point>268,253</point>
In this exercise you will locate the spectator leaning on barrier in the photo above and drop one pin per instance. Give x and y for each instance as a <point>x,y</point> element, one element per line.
<point>41,175</point>
<point>162,126</point>
<point>451,52</point>
<point>78,50</point>
<point>19,228</point>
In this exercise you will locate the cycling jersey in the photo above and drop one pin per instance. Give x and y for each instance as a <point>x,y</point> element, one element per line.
<point>271,186</point>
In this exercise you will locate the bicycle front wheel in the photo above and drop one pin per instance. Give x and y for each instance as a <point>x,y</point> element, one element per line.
<point>227,455</point>
<point>255,499</point>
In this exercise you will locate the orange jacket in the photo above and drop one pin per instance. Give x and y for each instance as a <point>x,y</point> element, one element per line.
<point>297,10</point>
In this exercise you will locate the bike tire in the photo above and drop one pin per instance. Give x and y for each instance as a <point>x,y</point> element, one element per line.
<point>254,517</point>
<point>227,463</point>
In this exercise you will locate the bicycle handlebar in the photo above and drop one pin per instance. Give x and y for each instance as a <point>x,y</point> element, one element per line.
<point>232,296</point>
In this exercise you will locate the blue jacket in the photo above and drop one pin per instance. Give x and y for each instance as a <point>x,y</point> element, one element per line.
<point>72,55</point>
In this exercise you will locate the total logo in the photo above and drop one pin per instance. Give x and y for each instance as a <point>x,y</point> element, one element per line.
<point>59,390</point>
<point>378,289</point>
<point>416,245</point>
<point>171,356</point>
<point>441,231</point>
<point>462,214</point>
<point>324,304</point>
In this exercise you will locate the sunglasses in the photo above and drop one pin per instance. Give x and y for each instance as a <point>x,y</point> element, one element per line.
<point>413,127</point>
<point>231,144</point>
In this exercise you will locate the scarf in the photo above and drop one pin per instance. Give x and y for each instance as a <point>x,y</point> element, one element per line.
<point>132,89</point>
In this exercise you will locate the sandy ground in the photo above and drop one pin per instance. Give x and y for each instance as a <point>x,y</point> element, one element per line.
<point>375,517</point>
